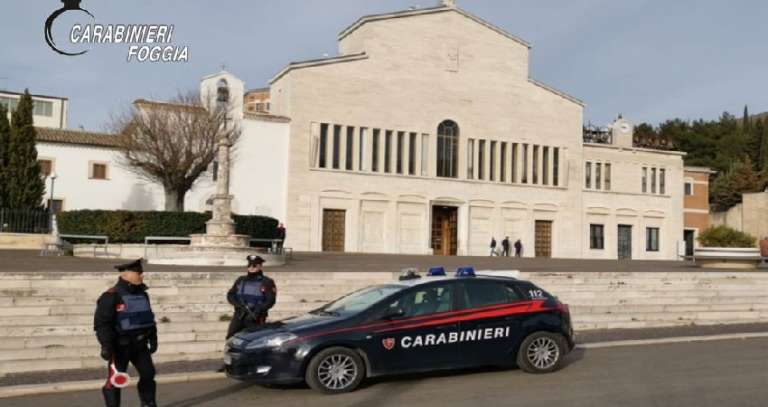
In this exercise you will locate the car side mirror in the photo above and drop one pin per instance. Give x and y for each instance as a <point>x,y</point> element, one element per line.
<point>394,314</point>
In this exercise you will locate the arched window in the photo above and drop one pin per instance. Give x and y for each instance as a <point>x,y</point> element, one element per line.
<point>448,149</point>
<point>222,92</point>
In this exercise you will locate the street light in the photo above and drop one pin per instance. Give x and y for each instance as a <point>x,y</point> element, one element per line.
<point>52,176</point>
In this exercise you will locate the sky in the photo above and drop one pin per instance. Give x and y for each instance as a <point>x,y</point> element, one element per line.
<point>649,60</point>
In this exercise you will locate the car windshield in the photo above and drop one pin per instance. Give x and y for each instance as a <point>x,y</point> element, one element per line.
<point>359,300</point>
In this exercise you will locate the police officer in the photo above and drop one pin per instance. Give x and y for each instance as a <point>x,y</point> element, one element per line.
<point>252,295</point>
<point>125,327</point>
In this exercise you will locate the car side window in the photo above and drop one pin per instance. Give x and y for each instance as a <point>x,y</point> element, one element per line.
<point>424,301</point>
<point>484,293</point>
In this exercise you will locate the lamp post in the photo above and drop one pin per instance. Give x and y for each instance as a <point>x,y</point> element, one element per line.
<point>53,183</point>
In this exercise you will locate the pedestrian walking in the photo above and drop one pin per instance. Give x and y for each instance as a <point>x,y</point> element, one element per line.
<point>505,247</point>
<point>493,246</point>
<point>125,328</point>
<point>518,248</point>
<point>280,234</point>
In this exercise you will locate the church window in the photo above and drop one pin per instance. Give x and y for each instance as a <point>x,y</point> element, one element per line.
<point>556,166</point>
<point>545,165</point>
<point>388,151</point>
<point>447,149</point>
<point>607,177</point>
<point>662,181</point>
<point>525,164</point>
<point>361,149</point>
<point>645,179</point>
<point>481,159</point>
<point>535,169</point>
<point>400,151</point>
<point>653,180</point>
<point>514,162</point>
<point>222,92</point>
<point>470,158</point>
<point>412,154</point>
<point>375,150</point>
<point>323,145</point>
<point>503,162</point>
<point>350,151</point>
<point>588,175</point>
<point>424,155</point>
<point>598,174</point>
<point>492,171</point>
<point>336,146</point>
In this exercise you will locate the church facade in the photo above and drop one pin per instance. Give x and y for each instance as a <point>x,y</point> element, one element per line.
<point>421,139</point>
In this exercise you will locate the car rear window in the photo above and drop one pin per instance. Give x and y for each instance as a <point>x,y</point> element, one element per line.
<point>484,293</point>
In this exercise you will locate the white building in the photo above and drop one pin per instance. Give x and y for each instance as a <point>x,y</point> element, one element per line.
<point>421,139</point>
<point>48,111</point>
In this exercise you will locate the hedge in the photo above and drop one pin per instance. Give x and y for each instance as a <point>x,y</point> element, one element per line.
<point>723,236</point>
<point>133,227</point>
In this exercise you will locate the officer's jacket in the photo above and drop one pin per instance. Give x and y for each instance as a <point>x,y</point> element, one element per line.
<point>124,310</point>
<point>256,291</point>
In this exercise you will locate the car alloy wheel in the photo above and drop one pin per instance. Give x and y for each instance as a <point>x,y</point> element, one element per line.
<point>337,372</point>
<point>543,353</point>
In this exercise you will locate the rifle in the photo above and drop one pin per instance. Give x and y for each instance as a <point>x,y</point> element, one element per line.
<point>248,311</point>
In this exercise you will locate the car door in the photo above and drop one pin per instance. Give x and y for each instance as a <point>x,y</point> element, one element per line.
<point>492,331</point>
<point>411,332</point>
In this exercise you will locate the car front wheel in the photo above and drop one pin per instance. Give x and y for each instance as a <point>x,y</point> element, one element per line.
<point>335,370</point>
<point>541,352</point>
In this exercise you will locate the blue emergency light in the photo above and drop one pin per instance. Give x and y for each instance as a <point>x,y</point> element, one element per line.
<point>465,272</point>
<point>436,271</point>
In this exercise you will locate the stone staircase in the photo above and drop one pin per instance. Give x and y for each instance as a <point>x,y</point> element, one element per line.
<point>46,318</point>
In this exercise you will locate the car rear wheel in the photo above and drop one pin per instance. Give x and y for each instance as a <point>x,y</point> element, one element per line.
<point>335,370</point>
<point>541,352</point>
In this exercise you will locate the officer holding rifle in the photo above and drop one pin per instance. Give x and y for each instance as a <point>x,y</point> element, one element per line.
<point>252,295</point>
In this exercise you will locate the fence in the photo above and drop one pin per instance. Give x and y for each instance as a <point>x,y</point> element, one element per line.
<point>25,221</point>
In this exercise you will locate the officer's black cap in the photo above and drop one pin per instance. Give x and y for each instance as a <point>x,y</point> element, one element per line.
<point>132,266</point>
<point>254,260</point>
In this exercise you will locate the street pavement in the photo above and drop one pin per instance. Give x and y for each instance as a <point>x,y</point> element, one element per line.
<point>720,373</point>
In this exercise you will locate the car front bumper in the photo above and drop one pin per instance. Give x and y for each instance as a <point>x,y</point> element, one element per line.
<point>267,366</point>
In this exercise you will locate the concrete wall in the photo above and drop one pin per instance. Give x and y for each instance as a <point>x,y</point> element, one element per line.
<point>750,216</point>
<point>23,241</point>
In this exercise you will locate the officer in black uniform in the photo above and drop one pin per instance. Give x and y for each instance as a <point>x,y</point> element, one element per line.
<point>125,327</point>
<point>252,295</point>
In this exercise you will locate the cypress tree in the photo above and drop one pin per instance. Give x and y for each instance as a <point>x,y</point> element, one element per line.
<point>25,186</point>
<point>5,141</point>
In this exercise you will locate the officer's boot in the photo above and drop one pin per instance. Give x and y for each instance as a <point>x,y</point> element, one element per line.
<point>111,397</point>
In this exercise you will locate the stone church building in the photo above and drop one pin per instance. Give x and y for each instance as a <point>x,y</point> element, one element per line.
<point>427,134</point>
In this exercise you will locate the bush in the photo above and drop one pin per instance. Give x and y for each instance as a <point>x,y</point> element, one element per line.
<point>133,227</point>
<point>723,236</point>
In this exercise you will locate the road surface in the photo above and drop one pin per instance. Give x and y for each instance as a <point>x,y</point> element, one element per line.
<point>721,373</point>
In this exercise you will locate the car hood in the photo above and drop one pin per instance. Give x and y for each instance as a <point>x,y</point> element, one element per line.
<point>303,324</point>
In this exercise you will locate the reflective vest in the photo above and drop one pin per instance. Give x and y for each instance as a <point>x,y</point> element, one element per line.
<point>250,292</point>
<point>134,313</point>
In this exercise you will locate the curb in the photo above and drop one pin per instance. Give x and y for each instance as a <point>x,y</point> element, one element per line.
<point>65,387</point>
<point>680,339</point>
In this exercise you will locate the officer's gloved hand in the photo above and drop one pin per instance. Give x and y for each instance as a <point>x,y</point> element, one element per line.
<point>106,354</point>
<point>152,345</point>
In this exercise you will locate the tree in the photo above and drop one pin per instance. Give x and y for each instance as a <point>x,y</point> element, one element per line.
<point>5,141</point>
<point>25,186</point>
<point>173,143</point>
<point>728,188</point>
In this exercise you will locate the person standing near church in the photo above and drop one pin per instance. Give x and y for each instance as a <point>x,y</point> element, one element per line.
<point>493,246</point>
<point>126,330</point>
<point>252,295</point>
<point>505,247</point>
<point>518,248</point>
<point>280,234</point>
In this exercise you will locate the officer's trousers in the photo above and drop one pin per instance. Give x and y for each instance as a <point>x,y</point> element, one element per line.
<point>138,355</point>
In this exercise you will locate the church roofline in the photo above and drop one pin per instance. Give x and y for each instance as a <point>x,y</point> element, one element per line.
<point>77,137</point>
<point>557,92</point>
<point>265,117</point>
<point>318,62</point>
<point>441,9</point>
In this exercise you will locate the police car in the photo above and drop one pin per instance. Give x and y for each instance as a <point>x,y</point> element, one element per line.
<point>413,325</point>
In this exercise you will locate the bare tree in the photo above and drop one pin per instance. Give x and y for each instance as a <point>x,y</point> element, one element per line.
<point>173,143</point>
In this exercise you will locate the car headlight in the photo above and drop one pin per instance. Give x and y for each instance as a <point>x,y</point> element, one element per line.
<point>271,341</point>
<point>235,342</point>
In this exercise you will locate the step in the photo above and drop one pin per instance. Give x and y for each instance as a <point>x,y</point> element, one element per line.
<point>26,366</point>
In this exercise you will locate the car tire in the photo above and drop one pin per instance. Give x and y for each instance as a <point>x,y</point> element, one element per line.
<point>541,352</point>
<point>335,370</point>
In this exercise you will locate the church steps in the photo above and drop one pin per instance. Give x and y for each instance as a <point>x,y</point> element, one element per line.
<point>93,362</point>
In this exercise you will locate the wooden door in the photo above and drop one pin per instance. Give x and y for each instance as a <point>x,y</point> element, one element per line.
<point>333,230</point>
<point>444,231</point>
<point>543,242</point>
<point>625,242</point>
